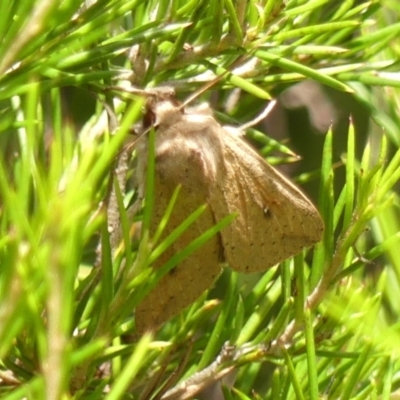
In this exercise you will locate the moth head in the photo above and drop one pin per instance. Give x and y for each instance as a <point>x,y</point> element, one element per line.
<point>162,112</point>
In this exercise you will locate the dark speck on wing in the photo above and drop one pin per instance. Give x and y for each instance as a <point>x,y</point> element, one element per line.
<point>267,213</point>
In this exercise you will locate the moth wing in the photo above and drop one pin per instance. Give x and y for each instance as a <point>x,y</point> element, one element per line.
<point>182,285</point>
<point>274,219</point>
<point>180,162</point>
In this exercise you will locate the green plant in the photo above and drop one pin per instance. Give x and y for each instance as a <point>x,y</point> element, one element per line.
<point>315,327</point>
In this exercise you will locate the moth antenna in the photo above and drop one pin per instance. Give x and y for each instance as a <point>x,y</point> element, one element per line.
<point>205,87</point>
<point>259,117</point>
<point>161,92</point>
<point>167,92</point>
<point>132,144</point>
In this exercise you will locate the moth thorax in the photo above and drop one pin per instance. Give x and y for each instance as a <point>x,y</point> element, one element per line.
<point>167,113</point>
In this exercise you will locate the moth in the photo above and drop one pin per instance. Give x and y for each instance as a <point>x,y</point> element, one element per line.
<point>214,166</point>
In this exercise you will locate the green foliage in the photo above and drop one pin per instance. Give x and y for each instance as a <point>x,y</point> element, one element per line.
<point>322,325</point>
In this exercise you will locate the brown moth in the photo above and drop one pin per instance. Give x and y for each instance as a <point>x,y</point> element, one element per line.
<point>216,167</point>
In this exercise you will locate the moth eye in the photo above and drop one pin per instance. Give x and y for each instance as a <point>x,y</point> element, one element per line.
<point>149,118</point>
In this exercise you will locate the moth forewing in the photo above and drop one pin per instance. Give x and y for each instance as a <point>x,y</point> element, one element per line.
<point>183,284</point>
<point>275,221</point>
<point>164,221</point>
<point>176,233</point>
